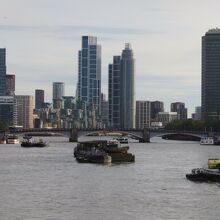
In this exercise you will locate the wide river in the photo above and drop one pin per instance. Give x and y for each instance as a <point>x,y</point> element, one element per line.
<point>48,183</point>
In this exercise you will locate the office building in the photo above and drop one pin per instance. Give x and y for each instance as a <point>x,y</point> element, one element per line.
<point>10,85</point>
<point>143,118</point>
<point>211,75</point>
<point>122,90</point>
<point>2,71</point>
<point>25,105</point>
<point>8,110</point>
<point>179,107</point>
<point>89,74</point>
<point>156,107</point>
<point>39,98</point>
<point>58,93</point>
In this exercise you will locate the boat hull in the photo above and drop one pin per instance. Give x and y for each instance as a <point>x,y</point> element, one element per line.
<point>204,175</point>
<point>13,141</point>
<point>33,144</point>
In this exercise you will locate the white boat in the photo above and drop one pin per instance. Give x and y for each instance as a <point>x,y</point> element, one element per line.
<point>12,139</point>
<point>122,140</point>
<point>207,141</point>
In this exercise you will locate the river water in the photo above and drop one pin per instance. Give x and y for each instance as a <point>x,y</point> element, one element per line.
<point>47,183</point>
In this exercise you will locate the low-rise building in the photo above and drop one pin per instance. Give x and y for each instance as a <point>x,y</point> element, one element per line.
<point>166,117</point>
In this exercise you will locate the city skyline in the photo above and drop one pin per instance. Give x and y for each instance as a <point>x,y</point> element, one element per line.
<point>166,39</point>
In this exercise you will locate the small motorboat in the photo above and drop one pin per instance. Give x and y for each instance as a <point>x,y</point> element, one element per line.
<point>122,140</point>
<point>28,141</point>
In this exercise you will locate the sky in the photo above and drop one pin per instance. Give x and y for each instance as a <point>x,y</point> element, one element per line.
<point>42,39</point>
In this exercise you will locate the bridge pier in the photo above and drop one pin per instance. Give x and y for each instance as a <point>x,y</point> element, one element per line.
<point>146,136</point>
<point>73,135</point>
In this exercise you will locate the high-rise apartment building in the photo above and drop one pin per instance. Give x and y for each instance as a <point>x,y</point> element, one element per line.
<point>179,107</point>
<point>127,88</point>
<point>25,106</point>
<point>211,75</point>
<point>58,93</point>
<point>156,107</point>
<point>122,90</point>
<point>10,84</point>
<point>89,73</point>
<point>114,91</point>
<point>143,117</point>
<point>39,98</point>
<point>2,71</point>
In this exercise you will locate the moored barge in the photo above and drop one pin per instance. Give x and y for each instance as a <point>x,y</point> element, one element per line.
<point>102,151</point>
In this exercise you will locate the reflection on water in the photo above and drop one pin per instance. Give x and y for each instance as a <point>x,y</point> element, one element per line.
<point>47,183</point>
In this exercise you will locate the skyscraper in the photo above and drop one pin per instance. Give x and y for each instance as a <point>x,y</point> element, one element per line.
<point>39,98</point>
<point>179,107</point>
<point>58,93</point>
<point>2,71</point>
<point>122,90</point>
<point>211,75</point>
<point>114,91</point>
<point>127,88</point>
<point>89,73</point>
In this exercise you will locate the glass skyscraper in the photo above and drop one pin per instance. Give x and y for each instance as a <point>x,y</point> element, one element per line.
<point>58,93</point>
<point>127,88</point>
<point>114,91</point>
<point>89,73</point>
<point>122,90</point>
<point>2,71</point>
<point>211,75</point>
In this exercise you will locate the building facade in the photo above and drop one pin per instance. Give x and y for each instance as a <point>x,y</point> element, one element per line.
<point>39,98</point>
<point>2,71</point>
<point>58,93</point>
<point>179,107</point>
<point>127,88</point>
<point>8,110</point>
<point>211,75</point>
<point>10,85</point>
<point>25,105</point>
<point>122,90</point>
<point>166,117</point>
<point>143,118</point>
<point>198,113</point>
<point>104,111</point>
<point>114,91</point>
<point>89,74</point>
<point>156,107</point>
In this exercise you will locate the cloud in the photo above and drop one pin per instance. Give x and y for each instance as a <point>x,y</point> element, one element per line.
<point>78,29</point>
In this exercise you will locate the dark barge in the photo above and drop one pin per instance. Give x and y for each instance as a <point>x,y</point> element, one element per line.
<point>102,151</point>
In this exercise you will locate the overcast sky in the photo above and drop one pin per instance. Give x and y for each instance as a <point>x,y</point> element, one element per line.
<point>42,38</point>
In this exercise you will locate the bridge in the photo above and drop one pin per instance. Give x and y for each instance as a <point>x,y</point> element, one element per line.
<point>142,135</point>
